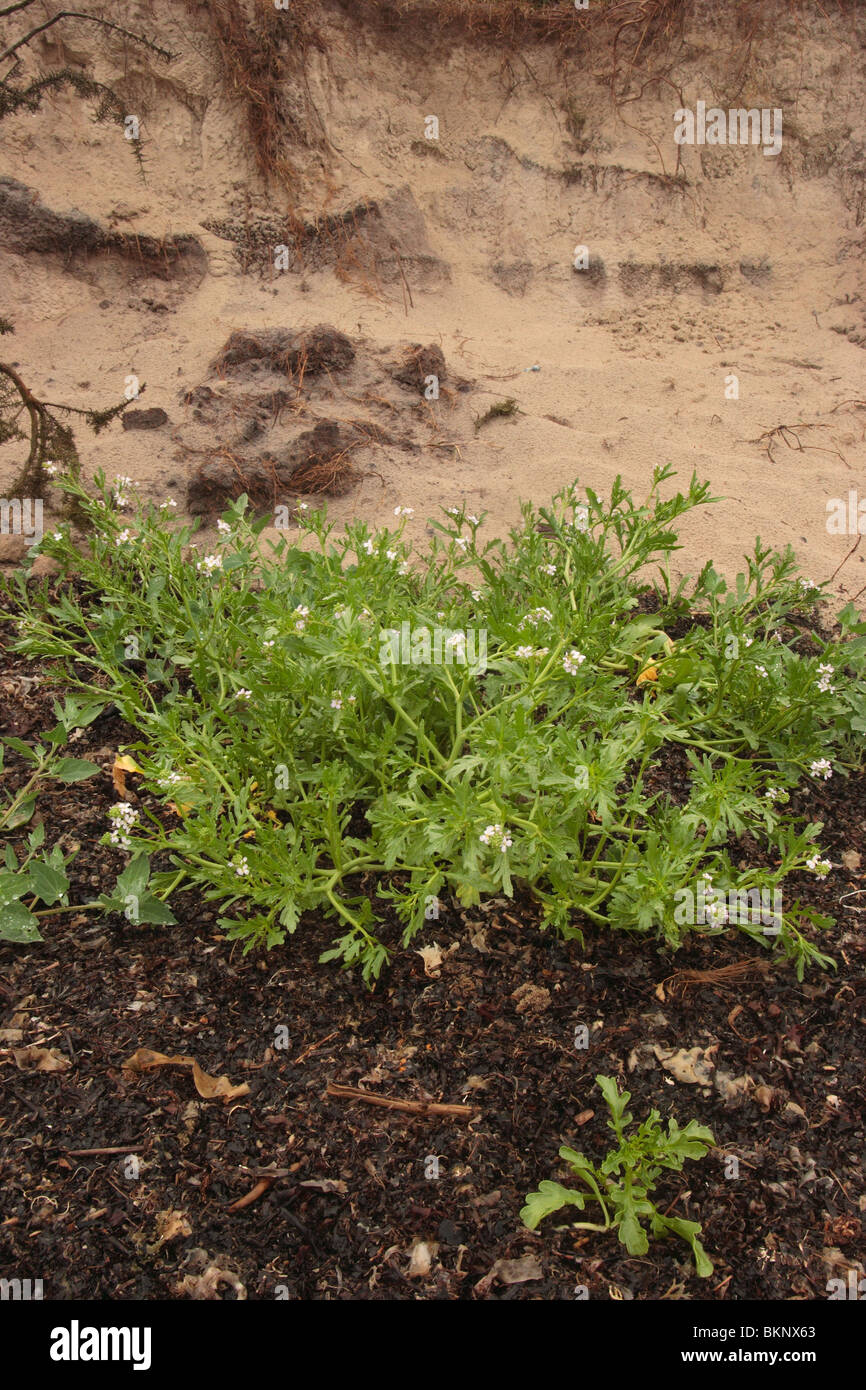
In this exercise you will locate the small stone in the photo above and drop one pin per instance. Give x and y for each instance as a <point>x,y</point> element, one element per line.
<point>44,566</point>
<point>144,419</point>
<point>13,549</point>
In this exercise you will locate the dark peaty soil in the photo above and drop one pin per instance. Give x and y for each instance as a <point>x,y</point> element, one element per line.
<point>352,1188</point>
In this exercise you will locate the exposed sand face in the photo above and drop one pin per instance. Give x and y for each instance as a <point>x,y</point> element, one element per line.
<point>753,269</point>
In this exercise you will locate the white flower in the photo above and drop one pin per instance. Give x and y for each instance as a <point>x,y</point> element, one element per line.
<point>223,527</point>
<point>819,866</point>
<point>473,520</point>
<point>807,584</point>
<point>51,469</point>
<point>241,867</point>
<point>524,653</point>
<point>453,511</point>
<point>244,694</point>
<point>403,567</point>
<point>123,817</point>
<point>538,615</point>
<point>762,672</point>
<point>404,511</point>
<point>124,537</point>
<point>168,503</point>
<point>391,554</point>
<point>716,913</point>
<point>368,547</point>
<point>303,613</point>
<point>171,779</point>
<point>549,569</point>
<point>119,490</point>
<point>825,671</point>
<point>571,662</point>
<point>266,645</point>
<point>496,832</point>
<point>57,535</point>
<point>747,641</point>
<point>581,518</point>
<point>337,702</point>
<point>476,594</point>
<point>772,793</point>
<point>821,767</point>
<point>462,541</point>
<point>210,563</point>
<point>303,506</point>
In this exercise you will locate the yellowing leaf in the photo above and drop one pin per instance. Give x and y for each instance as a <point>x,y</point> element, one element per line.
<point>211,1087</point>
<point>123,763</point>
<point>127,762</point>
<point>649,673</point>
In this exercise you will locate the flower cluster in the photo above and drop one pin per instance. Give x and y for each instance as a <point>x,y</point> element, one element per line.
<point>119,490</point>
<point>527,653</point>
<point>223,527</point>
<point>819,866</point>
<point>715,910</point>
<point>123,538</point>
<point>241,867</point>
<point>123,817</point>
<point>171,779</point>
<point>825,671</point>
<point>210,564</point>
<point>572,660</point>
<point>404,511</point>
<point>538,615</point>
<point>821,767</point>
<point>303,614</point>
<point>497,834</point>
<point>338,697</point>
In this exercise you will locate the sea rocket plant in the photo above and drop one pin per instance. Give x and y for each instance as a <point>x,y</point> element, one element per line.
<point>550,769</point>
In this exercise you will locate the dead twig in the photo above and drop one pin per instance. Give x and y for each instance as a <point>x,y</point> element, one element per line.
<point>111,1149</point>
<point>409,1107</point>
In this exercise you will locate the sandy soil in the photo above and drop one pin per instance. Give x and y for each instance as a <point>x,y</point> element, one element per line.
<point>746,265</point>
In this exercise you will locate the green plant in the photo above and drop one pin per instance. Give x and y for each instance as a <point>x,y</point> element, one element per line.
<point>39,875</point>
<point>297,755</point>
<point>623,1182</point>
<point>500,410</point>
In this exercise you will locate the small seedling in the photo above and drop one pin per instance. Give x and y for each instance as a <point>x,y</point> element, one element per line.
<point>623,1182</point>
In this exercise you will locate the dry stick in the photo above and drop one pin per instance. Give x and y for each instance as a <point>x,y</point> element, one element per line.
<point>313,1047</point>
<point>114,1149</point>
<point>411,1107</point>
<point>842,562</point>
